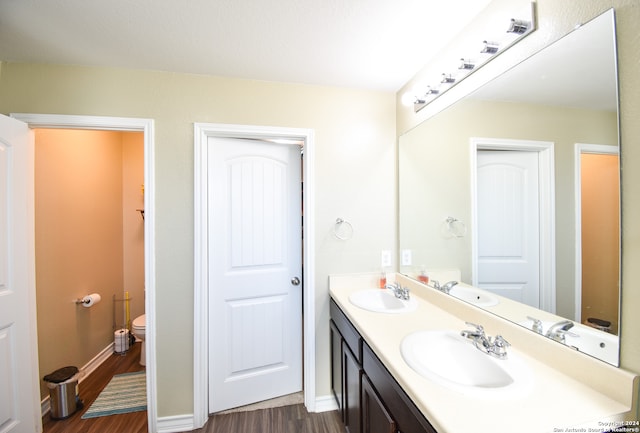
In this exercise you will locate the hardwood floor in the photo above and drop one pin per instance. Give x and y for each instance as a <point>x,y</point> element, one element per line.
<point>135,422</point>
<point>285,419</point>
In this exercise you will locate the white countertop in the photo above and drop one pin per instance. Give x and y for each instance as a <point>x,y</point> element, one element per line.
<point>569,390</point>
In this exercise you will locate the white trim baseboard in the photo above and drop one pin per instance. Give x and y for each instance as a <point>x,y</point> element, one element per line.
<point>182,423</point>
<point>94,363</point>
<point>325,403</point>
<point>175,423</point>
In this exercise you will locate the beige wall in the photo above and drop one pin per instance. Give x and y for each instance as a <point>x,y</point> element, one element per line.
<point>355,177</point>
<point>79,187</point>
<point>555,19</point>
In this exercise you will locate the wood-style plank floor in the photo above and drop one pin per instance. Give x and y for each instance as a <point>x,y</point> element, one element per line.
<point>286,419</point>
<point>89,389</point>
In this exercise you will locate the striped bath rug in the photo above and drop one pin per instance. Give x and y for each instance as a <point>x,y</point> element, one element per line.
<point>125,393</point>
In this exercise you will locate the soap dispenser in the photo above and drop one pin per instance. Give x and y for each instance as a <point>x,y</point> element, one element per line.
<point>423,276</point>
<point>382,279</point>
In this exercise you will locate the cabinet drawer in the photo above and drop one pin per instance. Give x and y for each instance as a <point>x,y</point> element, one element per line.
<point>349,333</point>
<point>405,413</point>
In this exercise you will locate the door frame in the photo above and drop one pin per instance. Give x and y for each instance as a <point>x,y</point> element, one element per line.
<point>546,176</point>
<point>202,132</point>
<point>581,148</point>
<point>146,126</point>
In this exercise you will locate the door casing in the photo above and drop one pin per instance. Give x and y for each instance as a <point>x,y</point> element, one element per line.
<point>146,126</point>
<point>202,131</point>
<point>547,209</point>
<point>579,149</point>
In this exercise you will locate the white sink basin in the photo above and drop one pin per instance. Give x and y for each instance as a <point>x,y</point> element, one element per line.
<point>454,362</point>
<point>591,341</point>
<point>382,301</point>
<point>474,296</point>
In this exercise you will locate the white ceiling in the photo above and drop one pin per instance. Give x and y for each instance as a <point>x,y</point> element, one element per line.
<point>371,44</point>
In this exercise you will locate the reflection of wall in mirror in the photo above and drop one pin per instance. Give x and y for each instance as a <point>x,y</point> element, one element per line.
<point>435,181</point>
<point>600,237</point>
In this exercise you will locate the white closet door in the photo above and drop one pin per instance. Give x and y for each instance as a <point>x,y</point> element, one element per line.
<point>509,224</point>
<point>255,290</point>
<point>19,396</point>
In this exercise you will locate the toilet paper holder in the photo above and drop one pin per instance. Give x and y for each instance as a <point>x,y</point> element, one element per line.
<point>89,300</point>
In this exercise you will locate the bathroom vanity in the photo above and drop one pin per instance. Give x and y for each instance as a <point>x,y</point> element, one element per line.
<point>378,390</point>
<point>364,388</point>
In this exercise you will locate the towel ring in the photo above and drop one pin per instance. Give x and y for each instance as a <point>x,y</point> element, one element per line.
<point>454,228</point>
<point>343,229</point>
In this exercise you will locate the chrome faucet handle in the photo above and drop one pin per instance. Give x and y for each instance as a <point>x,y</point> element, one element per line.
<point>561,335</point>
<point>395,288</point>
<point>448,286</point>
<point>435,284</point>
<point>499,347</point>
<point>479,328</point>
<point>399,291</point>
<point>476,334</point>
<point>537,324</point>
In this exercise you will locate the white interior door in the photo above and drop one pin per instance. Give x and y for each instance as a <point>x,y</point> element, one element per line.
<point>19,391</point>
<point>508,219</point>
<point>255,271</point>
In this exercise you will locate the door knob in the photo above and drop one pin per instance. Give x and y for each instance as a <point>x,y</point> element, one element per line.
<point>295,281</point>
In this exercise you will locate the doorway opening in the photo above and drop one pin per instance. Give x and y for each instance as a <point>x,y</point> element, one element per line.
<point>123,125</point>
<point>597,214</point>
<point>89,194</point>
<point>546,210</point>
<point>205,135</point>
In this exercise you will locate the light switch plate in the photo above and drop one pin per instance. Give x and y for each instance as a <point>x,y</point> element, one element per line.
<point>406,257</point>
<point>386,259</point>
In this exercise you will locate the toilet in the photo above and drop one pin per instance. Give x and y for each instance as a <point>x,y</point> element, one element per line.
<point>138,329</point>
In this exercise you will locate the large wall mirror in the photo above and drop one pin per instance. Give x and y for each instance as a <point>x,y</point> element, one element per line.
<point>516,188</point>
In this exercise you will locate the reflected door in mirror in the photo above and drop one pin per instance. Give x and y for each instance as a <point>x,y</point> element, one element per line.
<point>508,224</point>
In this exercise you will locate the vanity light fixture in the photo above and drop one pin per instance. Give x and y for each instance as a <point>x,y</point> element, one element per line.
<point>490,47</point>
<point>448,79</point>
<point>519,26</point>
<point>466,64</point>
<point>422,95</point>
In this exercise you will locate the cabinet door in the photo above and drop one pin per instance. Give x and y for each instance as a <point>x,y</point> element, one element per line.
<point>351,391</point>
<point>375,418</point>
<point>336,366</point>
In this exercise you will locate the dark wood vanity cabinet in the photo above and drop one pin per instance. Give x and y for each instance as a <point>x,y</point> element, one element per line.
<point>375,416</point>
<point>407,417</point>
<point>346,368</point>
<point>369,398</point>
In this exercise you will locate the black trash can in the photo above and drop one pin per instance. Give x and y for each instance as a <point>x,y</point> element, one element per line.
<point>63,392</point>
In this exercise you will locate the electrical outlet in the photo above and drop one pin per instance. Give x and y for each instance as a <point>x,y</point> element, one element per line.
<point>406,257</point>
<point>386,259</point>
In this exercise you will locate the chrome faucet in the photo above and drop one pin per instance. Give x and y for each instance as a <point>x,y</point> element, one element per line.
<point>496,347</point>
<point>399,291</point>
<point>536,326</point>
<point>558,331</point>
<point>446,288</point>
